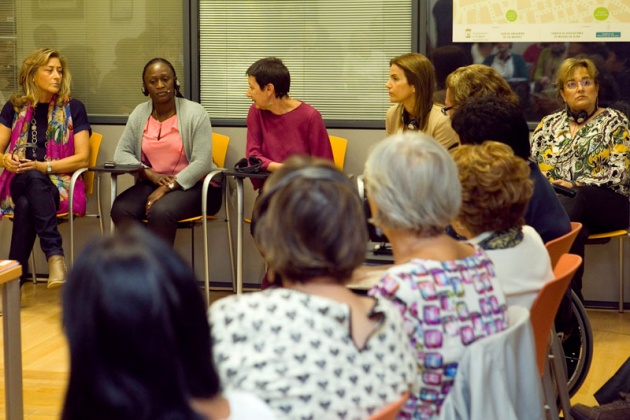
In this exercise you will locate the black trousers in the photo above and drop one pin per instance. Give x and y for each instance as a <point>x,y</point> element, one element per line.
<point>130,208</point>
<point>620,382</point>
<point>36,202</point>
<point>599,210</point>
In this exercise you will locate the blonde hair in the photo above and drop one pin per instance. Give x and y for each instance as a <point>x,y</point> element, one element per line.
<point>32,62</point>
<point>495,187</point>
<point>569,66</point>
<point>420,74</point>
<point>477,81</point>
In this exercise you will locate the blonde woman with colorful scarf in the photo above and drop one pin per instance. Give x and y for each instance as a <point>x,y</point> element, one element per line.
<point>45,137</point>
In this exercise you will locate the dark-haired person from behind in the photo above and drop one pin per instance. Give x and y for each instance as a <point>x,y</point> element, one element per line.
<point>312,348</point>
<point>171,137</point>
<point>497,118</point>
<point>586,148</point>
<point>139,340</point>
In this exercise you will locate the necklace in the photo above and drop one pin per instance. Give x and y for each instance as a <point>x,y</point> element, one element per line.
<point>34,137</point>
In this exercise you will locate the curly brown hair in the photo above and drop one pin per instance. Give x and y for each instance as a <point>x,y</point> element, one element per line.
<point>495,187</point>
<point>477,81</point>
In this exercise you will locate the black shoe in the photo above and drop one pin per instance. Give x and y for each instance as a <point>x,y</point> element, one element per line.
<point>616,410</point>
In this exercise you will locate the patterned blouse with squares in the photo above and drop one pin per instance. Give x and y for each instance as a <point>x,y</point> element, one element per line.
<point>295,351</point>
<point>446,306</point>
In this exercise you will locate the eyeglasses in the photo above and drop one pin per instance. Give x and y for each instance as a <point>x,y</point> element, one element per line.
<point>572,85</point>
<point>445,109</point>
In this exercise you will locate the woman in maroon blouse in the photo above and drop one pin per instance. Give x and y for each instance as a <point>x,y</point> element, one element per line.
<point>279,126</point>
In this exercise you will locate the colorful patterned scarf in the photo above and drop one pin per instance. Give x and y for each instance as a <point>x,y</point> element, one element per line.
<point>59,145</point>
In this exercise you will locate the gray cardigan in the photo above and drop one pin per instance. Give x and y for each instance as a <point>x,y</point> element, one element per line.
<point>196,131</point>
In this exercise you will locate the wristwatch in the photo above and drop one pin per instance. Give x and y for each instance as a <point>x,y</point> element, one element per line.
<point>48,167</point>
<point>171,186</point>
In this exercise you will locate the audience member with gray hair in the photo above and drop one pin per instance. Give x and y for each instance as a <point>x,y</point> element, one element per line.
<point>414,192</point>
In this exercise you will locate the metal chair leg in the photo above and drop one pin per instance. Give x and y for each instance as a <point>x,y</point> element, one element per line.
<point>556,359</point>
<point>621,274</point>
<point>33,268</point>
<point>229,232</point>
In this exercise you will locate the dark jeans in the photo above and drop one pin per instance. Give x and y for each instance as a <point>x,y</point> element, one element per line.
<point>36,202</point>
<point>599,210</point>
<point>130,208</point>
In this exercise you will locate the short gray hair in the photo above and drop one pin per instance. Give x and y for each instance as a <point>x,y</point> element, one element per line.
<point>414,182</point>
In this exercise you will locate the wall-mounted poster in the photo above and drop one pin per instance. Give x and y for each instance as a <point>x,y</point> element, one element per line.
<point>541,20</point>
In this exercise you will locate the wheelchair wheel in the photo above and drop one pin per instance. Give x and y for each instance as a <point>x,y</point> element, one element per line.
<point>577,345</point>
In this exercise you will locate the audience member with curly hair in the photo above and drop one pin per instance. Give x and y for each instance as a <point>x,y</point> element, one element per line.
<point>495,191</point>
<point>475,81</point>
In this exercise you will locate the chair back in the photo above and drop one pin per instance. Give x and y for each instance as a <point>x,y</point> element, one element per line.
<point>545,306</point>
<point>339,146</point>
<point>391,410</point>
<point>220,145</point>
<point>496,377</point>
<point>88,177</point>
<point>560,246</point>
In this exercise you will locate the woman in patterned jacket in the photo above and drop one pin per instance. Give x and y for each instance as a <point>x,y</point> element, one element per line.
<point>585,148</point>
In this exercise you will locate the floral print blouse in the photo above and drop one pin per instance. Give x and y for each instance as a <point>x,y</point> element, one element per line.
<point>598,154</point>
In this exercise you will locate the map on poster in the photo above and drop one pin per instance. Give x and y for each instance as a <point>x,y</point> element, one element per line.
<point>541,20</point>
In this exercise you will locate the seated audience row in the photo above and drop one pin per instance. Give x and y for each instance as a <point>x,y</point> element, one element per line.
<point>311,347</point>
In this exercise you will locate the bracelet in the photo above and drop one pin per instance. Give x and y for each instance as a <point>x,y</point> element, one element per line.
<point>4,160</point>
